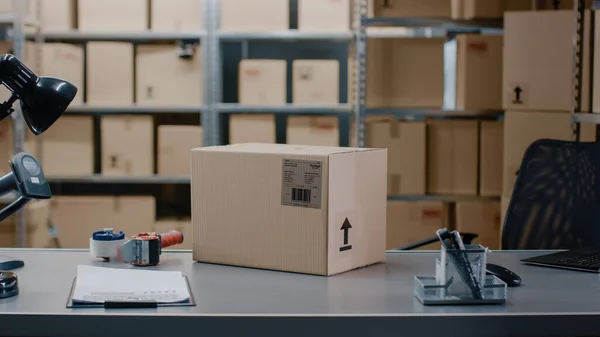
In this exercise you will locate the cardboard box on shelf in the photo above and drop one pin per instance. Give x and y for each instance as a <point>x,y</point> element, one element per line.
<point>523,128</point>
<point>113,15</point>
<point>185,16</point>
<point>482,218</point>
<point>6,146</point>
<point>324,15</point>
<point>409,8</point>
<point>165,78</point>
<point>183,226</point>
<point>67,147</point>
<point>109,73</point>
<point>412,221</point>
<point>77,217</point>
<point>537,71</point>
<point>64,61</point>
<point>491,142</point>
<point>313,130</point>
<point>315,82</point>
<point>478,9</point>
<point>127,145</point>
<point>252,128</point>
<point>37,215</point>
<point>452,157</point>
<point>57,15</point>
<point>479,72</point>
<point>406,145</point>
<point>320,210</point>
<point>254,15</point>
<point>175,143</point>
<point>262,82</point>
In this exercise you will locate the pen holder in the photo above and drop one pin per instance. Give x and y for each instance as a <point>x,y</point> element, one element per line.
<point>460,278</point>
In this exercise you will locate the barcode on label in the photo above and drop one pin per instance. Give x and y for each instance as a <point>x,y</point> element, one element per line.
<point>301,195</point>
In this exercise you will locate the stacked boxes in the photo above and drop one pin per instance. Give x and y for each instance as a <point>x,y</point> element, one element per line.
<point>254,15</point>
<point>128,16</point>
<point>127,145</point>
<point>109,72</point>
<point>409,222</point>
<point>324,15</point>
<point>185,16</point>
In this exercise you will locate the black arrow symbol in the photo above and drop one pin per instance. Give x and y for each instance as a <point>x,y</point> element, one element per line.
<point>518,92</point>
<point>346,227</point>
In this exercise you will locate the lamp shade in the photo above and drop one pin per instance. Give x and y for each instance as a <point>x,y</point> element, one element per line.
<point>46,102</point>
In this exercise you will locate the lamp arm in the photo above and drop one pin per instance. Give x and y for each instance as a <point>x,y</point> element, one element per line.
<point>8,183</point>
<point>13,207</point>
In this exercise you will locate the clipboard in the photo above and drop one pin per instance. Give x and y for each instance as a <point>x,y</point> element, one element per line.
<point>130,304</point>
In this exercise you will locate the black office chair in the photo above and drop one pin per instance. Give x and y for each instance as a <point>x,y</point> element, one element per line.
<point>555,202</point>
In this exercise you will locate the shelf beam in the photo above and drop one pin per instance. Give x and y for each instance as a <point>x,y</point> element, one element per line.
<point>133,109</point>
<point>442,198</point>
<point>289,35</point>
<point>343,109</point>
<point>433,112</point>
<point>436,22</point>
<point>102,179</point>
<point>77,36</point>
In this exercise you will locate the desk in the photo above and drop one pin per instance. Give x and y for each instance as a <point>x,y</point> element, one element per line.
<point>374,301</point>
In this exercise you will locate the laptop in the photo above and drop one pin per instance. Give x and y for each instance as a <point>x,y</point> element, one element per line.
<point>587,260</point>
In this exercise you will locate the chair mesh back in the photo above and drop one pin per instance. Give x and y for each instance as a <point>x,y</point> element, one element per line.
<point>556,199</point>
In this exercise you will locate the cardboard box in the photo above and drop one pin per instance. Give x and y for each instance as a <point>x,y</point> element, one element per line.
<point>316,82</point>
<point>57,15</point>
<point>320,210</point>
<point>409,222</point>
<point>64,61</point>
<point>77,217</point>
<point>452,157</point>
<point>6,145</point>
<point>164,78</point>
<point>523,128</point>
<point>67,148</point>
<point>409,8</point>
<point>127,145</point>
<point>30,7</point>
<point>406,145</point>
<point>254,15</point>
<point>252,128</point>
<point>479,72</point>
<point>184,16</point>
<point>262,82</point>
<point>37,215</point>
<point>482,218</point>
<point>324,15</point>
<point>491,152</point>
<point>109,73</point>
<point>183,226</point>
<point>313,130</point>
<point>478,9</point>
<point>538,61</point>
<point>175,143</point>
<point>113,15</point>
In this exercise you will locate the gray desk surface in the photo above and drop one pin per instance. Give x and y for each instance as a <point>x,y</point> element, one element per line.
<point>233,301</point>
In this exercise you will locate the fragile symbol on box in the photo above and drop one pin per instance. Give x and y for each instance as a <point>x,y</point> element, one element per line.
<point>346,227</point>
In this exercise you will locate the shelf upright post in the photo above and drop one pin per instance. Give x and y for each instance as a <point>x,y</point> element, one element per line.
<point>360,70</point>
<point>577,64</point>
<point>450,72</point>
<point>211,69</point>
<point>18,39</point>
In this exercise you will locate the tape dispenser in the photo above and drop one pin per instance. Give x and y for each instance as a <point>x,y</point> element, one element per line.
<point>105,244</point>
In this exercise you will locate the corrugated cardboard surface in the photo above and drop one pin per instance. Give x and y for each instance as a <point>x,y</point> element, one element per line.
<point>77,217</point>
<point>251,128</point>
<point>37,215</point>
<point>409,222</point>
<point>109,73</point>
<point>163,78</point>
<point>113,15</point>
<point>254,15</point>
<point>127,145</point>
<point>482,218</point>
<point>175,143</point>
<point>491,153</point>
<point>239,216</point>
<point>452,157</point>
<point>181,16</point>
<point>324,15</point>
<point>538,61</point>
<point>479,72</point>
<point>315,82</point>
<point>183,226</point>
<point>6,146</point>
<point>262,82</point>
<point>67,147</point>
<point>313,130</point>
<point>57,15</point>
<point>409,8</point>
<point>64,61</point>
<point>523,128</point>
<point>479,9</point>
<point>406,144</point>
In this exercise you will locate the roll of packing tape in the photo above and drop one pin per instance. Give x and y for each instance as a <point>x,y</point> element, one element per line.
<point>9,284</point>
<point>105,244</point>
